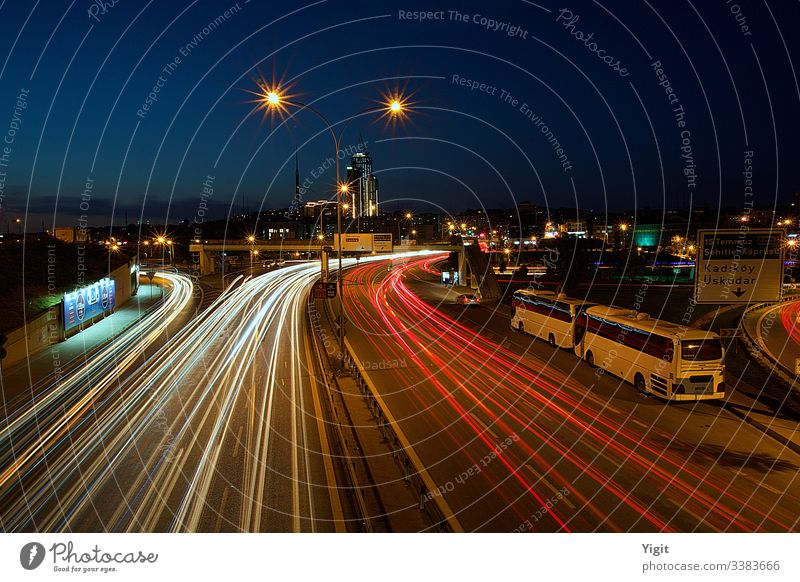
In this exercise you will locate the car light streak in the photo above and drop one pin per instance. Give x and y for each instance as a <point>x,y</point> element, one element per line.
<point>472,375</point>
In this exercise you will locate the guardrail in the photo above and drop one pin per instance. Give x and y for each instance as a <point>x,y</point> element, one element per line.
<point>430,499</point>
<point>329,377</point>
<point>760,353</point>
<point>414,472</point>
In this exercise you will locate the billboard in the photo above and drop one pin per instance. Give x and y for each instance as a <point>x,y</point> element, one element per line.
<point>88,302</point>
<point>364,242</point>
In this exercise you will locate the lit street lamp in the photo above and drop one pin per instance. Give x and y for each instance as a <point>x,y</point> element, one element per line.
<point>270,99</point>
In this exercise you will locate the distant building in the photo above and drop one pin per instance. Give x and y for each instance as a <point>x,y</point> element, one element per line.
<point>70,234</point>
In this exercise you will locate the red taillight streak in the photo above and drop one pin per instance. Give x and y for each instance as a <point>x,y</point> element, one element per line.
<point>468,337</point>
<point>413,303</point>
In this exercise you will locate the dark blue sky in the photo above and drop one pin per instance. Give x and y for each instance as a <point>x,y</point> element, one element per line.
<point>88,71</point>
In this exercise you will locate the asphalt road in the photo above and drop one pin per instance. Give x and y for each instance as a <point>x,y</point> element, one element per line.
<point>521,437</point>
<point>776,329</point>
<point>217,431</point>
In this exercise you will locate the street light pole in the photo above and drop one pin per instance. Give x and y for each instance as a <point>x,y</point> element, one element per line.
<point>269,98</point>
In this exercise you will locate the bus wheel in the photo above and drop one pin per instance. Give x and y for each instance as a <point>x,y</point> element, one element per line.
<point>551,339</point>
<point>640,384</point>
<point>590,359</point>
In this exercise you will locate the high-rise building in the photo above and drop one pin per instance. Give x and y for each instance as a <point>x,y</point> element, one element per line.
<point>363,183</point>
<point>354,185</point>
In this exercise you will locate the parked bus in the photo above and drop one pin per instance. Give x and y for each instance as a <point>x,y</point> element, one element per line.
<point>657,357</point>
<point>547,315</point>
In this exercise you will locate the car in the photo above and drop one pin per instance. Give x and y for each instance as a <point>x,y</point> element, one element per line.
<point>468,299</point>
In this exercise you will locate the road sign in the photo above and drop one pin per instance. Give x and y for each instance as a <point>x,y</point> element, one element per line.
<point>739,266</point>
<point>322,290</point>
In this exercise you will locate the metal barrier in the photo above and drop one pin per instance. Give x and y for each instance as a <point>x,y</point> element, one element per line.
<point>431,501</point>
<point>762,355</point>
<point>329,377</point>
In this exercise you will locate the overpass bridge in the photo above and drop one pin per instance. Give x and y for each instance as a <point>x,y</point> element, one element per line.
<point>473,264</point>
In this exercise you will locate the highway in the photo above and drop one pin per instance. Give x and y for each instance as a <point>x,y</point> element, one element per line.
<point>519,436</point>
<point>39,423</point>
<point>776,330</point>
<point>221,429</point>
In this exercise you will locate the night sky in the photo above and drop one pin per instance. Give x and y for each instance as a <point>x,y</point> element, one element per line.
<point>573,111</point>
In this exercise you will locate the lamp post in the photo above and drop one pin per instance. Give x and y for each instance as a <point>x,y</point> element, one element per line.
<point>251,239</point>
<point>270,98</point>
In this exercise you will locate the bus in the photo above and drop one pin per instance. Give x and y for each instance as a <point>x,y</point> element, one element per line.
<point>657,357</point>
<point>547,315</point>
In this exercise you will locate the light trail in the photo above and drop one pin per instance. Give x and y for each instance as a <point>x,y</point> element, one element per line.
<point>566,432</point>
<point>159,449</point>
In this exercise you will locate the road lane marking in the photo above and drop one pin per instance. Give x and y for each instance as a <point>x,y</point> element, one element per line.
<point>444,507</point>
<point>550,486</point>
<point>238,441</point>
<point>221,512</point>
<point>330,476</point>
<point>485,427</point>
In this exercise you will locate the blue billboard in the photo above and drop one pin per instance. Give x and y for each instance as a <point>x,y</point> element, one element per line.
<point>88,302</point>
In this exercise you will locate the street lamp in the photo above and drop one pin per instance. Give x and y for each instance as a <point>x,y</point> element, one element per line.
<point>394,107</point>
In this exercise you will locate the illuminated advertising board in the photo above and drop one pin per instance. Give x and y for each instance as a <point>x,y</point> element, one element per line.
<point>88,302</point>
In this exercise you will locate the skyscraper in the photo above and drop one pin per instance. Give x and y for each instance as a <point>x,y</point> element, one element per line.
<point>363,183</point>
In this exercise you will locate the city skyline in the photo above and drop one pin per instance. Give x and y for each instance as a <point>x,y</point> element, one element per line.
<point>486,131</point>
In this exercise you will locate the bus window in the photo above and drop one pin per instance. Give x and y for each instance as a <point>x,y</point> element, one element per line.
<point>701,351</point>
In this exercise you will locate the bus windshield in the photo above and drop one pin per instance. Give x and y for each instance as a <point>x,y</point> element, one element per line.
<point>701,351</point>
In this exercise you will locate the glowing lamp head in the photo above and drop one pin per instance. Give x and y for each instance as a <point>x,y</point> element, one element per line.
<point>344,188</point>
<point>273,98</point>
<point>395,106</point>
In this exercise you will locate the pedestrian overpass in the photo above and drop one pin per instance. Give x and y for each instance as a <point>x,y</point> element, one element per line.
<point>474,268</point>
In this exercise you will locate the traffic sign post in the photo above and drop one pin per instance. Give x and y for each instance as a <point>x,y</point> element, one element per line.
<point>739,266</point>
<point>322,290</point>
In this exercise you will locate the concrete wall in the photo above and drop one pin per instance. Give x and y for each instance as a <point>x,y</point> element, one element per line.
<point>43,330</point>
<point>47,328</point>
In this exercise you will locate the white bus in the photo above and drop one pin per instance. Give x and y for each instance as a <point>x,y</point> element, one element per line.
<point>657,357</point>
<point>547,315</point>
